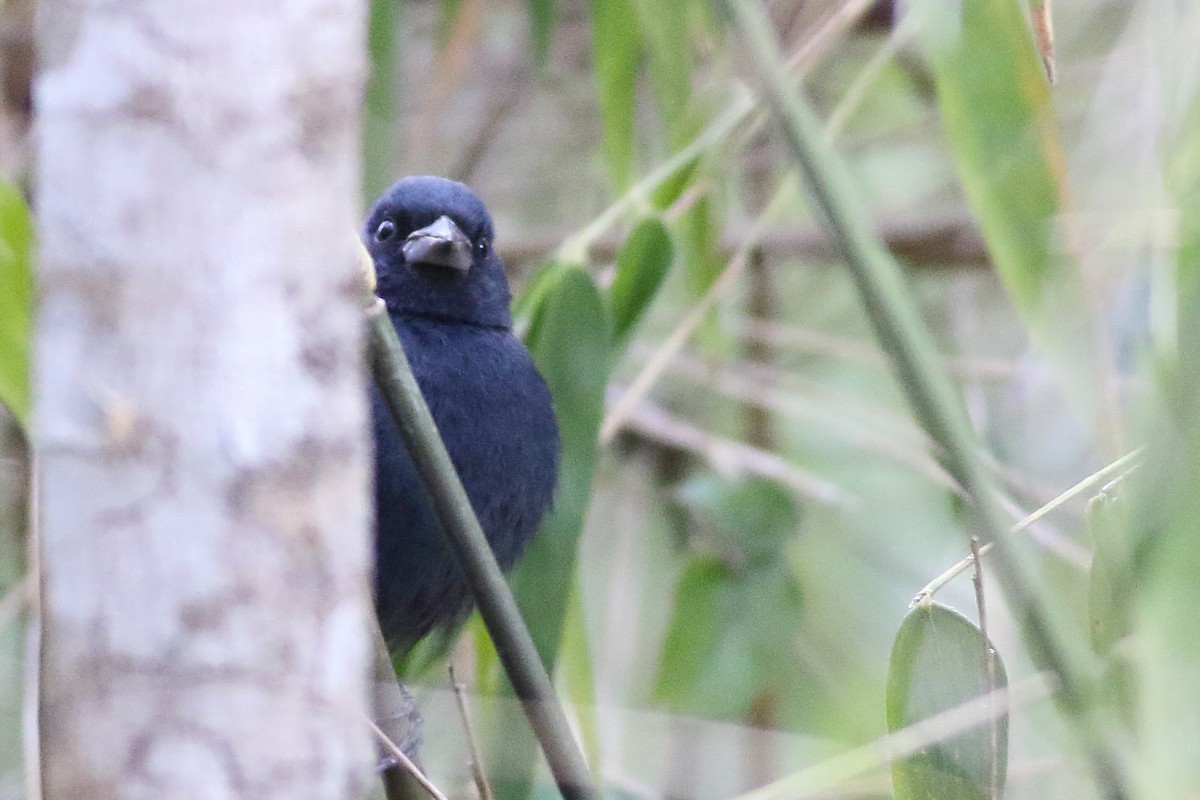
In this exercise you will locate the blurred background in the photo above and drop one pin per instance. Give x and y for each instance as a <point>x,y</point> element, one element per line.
<point>748,505</point>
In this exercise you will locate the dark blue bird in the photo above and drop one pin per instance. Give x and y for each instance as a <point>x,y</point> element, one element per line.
<point>446,293</point>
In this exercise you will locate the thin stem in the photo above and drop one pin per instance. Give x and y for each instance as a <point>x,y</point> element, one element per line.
<point>495,600</point>
<point>478,772</point>
<point>406,762</point>
<point>1120,466</point>
<point>989,673</point>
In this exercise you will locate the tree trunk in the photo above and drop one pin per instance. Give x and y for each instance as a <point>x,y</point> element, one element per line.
<point>200,429</point>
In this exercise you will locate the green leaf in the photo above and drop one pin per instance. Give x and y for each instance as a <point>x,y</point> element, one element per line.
<point>570,341</point>
<point>616,50</point>
<point>671,187</point>
<point>706,664</point>
<point>701,245</point>
<point>571,346</point>
<point>665,24</point>
<point>999,122</point>
<point>755,518</point>
<point>1166,564</point>
<point>529,304</point>
<point>541,25</point>
<point>641,267</point>
<point>1111,596</point>
<point>1182,178</point>
<point>937,664</point>
<point>734,620</point>
<point>16,301</point>
<point>379,150</point>
<point>1110,584</point>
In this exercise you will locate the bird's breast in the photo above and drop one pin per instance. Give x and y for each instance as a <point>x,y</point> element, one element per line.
<point>494,414</point>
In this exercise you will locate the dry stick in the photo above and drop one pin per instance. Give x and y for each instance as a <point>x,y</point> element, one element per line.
<point>1121,465</point>
<point>819,779</point>
<point>893,314</point>
<point>731,456</point>
<point>478,771</point>
<point>989,673</point>
<point>1043,28</point>
<point>494,598</point>
<point>406,762</point>
<point>930,241</point>
<point>497,114</point>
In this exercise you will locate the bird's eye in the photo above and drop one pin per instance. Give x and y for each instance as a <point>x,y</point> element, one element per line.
<point>385,231</point>
<point>483,245</point>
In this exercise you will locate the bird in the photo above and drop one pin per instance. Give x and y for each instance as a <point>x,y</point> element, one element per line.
<point>432,242</point>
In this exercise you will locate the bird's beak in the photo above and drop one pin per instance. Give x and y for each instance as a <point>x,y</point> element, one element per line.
<point>441,244</point>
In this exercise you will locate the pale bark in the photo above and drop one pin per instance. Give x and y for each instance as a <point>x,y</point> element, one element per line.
<point>199,400</point>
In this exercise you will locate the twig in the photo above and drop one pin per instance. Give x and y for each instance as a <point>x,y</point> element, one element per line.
<point>497,114</point>
<point>930,241</point>
<point>859,351</point>
<point>729,456</point>
<point>817,780</point>
<point>1126,462</point>
<point>867,75</point>
<point>758,385</point>
<point>989,672</point>
<point>405,762</point>
<point>478,772</point>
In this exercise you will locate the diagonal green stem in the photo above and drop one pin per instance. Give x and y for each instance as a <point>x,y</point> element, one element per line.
<point>903,337</point>
<point>495,600</point>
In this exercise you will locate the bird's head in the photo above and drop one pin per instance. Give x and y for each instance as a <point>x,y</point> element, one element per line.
<point>431,240</point>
